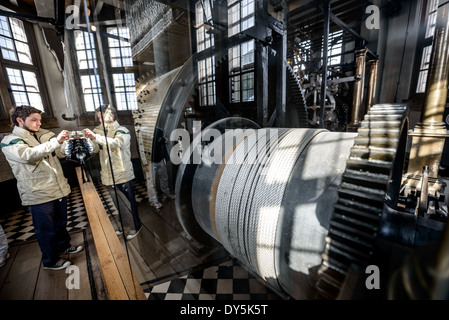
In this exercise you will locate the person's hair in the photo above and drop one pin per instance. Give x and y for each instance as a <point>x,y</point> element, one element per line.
<point>105,107</point>
<point>22,112</point>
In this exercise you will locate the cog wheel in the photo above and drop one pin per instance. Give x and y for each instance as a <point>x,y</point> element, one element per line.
<point>372,176</point>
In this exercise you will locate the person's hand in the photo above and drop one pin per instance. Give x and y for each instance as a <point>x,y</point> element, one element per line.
<point>146,168</point>
<point>89,134</point>
<point>63,136</point>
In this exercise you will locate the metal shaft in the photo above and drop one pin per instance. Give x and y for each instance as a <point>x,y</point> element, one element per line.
<point>325,62</point>
<point>356,115</point>
<point>372,83</point>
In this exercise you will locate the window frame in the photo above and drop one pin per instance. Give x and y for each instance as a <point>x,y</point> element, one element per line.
<point>87,72</point>
<point>206,68</point>
<point>111,71</point>
<point>240,72</point>
<point>206,85</point>
<point>240,24</point>
<point>8,100</point>
<point>422,43</point>
<point>122,69</point>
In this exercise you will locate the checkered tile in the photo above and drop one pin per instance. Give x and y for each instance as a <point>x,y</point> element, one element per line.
<point>226,281</point>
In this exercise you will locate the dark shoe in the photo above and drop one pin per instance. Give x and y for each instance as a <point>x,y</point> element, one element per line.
<point>61,264</point>
<point>72,249</point>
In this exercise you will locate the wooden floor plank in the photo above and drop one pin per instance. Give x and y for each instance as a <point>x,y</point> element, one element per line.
<point>79,287</point>
<point>22,278</point>
<point>100,291</point>
<point>51,285</point>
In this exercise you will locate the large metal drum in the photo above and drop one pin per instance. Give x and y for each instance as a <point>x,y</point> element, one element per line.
<point>266,195</point>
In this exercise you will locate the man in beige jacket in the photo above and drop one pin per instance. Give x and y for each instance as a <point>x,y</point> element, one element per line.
<point>113,143</point>
<point>33,154</point>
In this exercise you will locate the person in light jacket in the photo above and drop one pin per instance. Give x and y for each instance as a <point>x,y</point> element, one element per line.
<point>117,171</point>
<point>33,154</point>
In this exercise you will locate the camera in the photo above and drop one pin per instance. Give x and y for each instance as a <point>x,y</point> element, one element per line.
<point>76,134</point>
<point>79,148</point>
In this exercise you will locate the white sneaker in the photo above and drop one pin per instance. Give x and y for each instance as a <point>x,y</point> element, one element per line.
<point>133,233</point>
<point>4,260</point>
<point>155,204</point>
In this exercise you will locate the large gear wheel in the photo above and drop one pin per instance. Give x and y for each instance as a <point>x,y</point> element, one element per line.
<point>370,181</point>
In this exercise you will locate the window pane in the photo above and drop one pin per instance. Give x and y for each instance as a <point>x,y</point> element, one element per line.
<point>15,79</point>
<point>234,59</point>
<point>92,92</point>
<point>85,50</point>
<point>199,16</point>
<point>23,51</point>
<point>8,50</point>
<point>211,93</point>
<point>17,30</point>
<point>203,94</point>
<point>13,42</point>
<point>247,55</point>
<point>25,88</point>
<point>119,49</point>
<point>125,91</point>
<point>422,80</point>
<point>20,98</point>
<point>433,5</point>
<point>36,101</point>
<point>431,23</point>
<point>425,59</point>
<point>206,80</point>
<point>247,14</point>
<point>235,89</point>
<point>17,42</point>
<point>233,20</point>
<point>30,81</point>
<point>248,87</point>
<point>4,27</point>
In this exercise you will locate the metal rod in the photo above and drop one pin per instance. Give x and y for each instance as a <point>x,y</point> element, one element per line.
<point>326,8</point>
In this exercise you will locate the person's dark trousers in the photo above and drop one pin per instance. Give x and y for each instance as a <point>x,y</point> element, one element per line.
<point>50,226</point>
<point>127,189</point>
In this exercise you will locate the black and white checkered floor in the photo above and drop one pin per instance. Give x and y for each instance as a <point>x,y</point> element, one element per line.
<point>226,280</point>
